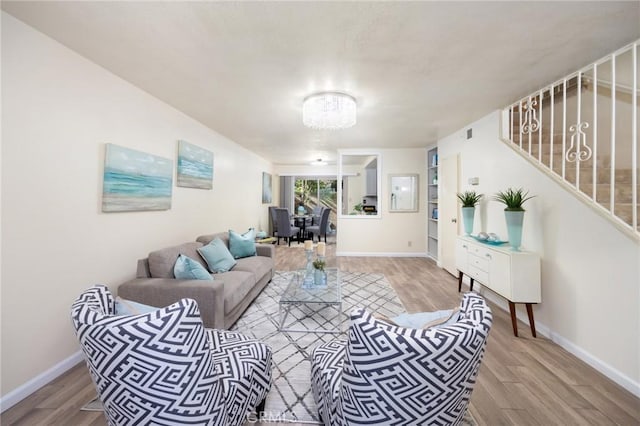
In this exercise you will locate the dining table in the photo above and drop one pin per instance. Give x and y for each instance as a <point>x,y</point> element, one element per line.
<point>301,221</point>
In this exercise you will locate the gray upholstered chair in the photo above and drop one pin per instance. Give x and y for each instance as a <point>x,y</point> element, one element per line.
<point>274,221</point>
<point>285,229</point>
<point>316,214</point>
<point>165,368</point>
<point>390,375</point>
<point>322,228</point>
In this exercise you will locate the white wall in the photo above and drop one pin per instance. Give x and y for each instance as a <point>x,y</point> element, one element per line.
<point>58,111</point>
<point>590,271</point>
<point>391,234</point>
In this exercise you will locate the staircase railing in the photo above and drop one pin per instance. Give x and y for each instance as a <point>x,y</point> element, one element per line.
<point>582,130</point>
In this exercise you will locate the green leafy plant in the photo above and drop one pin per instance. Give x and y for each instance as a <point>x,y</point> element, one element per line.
<point>319,264</point>
<point>358,207</point>
<point>513,198</point>
<point>469,198</point>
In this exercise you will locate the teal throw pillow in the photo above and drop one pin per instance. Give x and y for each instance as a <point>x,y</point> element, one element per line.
<point>188,269</point>
<point>217,256</point>
<point>129,307</point>
<point>242,245</point>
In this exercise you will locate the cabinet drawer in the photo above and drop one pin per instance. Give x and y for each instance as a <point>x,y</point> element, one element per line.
<point>478,275</point>
<point>479,262</point>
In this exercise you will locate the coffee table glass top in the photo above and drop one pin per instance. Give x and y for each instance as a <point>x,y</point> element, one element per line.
<point>296,293</point>
<point>313,309</point>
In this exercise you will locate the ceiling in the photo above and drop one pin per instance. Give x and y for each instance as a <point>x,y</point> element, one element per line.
<point>419,70</point>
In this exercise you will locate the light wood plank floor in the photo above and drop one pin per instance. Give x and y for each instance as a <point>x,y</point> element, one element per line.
<point>522,381</point>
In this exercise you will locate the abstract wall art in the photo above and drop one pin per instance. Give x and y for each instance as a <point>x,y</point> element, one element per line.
<point>266,188</point>
<point>195,166</point>
<point>135,180</point>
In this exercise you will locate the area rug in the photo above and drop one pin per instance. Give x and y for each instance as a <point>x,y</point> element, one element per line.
<point>290,398</point>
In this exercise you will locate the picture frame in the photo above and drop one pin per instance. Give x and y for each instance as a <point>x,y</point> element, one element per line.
<point>135,180</point>
<point>404,193</point>
<point>195,166</point>
<point>266,188</point>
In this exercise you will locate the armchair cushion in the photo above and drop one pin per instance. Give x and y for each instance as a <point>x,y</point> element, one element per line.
<point>427,319</point>
<point>129,307</point>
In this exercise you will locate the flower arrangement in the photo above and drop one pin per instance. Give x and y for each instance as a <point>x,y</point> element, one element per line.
<point>319,264</point>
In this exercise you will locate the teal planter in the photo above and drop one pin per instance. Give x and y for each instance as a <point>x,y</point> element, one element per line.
<point>514,228</point>
<point>467,219</point>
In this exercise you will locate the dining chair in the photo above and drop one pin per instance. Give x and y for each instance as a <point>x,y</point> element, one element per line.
<point>320,229</point>
<point>274,221</point>
<point>285,229</point>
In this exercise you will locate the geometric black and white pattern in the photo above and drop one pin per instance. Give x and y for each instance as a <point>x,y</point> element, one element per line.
<point>290,398</point>
<point>164,367</point>
<point>388,375</point>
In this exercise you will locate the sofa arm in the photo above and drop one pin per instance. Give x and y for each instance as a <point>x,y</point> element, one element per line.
<point>267,250</point>
<point>161,292</point>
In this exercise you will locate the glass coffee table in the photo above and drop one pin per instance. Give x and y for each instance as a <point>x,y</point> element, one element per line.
<point>314,309</point>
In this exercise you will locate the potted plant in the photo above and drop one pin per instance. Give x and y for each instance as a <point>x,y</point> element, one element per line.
<point>318,273</point>
<point>514,213</point>
<point>469,199</point>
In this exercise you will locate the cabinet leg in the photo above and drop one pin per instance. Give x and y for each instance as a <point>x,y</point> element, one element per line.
<point>459,281</point>
<point>514,321</point>
<point>532,323</point>
<point>471,284</point>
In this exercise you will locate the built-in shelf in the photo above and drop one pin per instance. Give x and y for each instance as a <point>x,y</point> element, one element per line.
<point>432,204</point>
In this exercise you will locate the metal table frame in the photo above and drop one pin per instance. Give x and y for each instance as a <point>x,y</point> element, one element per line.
<point>314,299</point>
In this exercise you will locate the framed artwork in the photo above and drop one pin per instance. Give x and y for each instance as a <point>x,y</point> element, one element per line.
<point>195,166</point>
<point>266,188</point>
<point>135,180</point>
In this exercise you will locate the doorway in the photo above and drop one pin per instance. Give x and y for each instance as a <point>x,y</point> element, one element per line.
<point>310,192</point>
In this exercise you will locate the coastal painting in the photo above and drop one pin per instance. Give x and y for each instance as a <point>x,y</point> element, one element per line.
<point>266,188</point>
<point>195,166</point>
<point>135,180</point>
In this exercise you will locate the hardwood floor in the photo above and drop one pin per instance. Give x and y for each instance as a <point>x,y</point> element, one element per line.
<point>522,380</point>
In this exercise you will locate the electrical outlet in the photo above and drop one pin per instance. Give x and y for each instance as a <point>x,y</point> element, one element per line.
<point>409,244</point>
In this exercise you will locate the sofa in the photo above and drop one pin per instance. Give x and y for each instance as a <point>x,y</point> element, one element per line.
<point>221,301</point>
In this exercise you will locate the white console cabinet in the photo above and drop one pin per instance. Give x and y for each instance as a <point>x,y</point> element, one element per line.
<point>514,275</point>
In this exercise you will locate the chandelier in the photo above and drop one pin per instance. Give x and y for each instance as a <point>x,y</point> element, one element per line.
<point>329,110</point>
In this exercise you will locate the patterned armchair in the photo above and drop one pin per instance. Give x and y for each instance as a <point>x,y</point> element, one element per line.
<point>391,375</point>
<point>165,368</point>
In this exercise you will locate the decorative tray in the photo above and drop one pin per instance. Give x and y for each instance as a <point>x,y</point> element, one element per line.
<point>491,243</point>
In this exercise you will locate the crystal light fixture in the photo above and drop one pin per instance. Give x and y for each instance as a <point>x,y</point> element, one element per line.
<point>329,110</point>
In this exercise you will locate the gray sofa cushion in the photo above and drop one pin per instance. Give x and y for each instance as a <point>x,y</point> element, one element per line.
<point>237,284</point>
<point>161,261</point>
<point>259,266</point>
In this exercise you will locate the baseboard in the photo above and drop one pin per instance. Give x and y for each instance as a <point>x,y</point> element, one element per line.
<point>609,371</point>
<point>21,392</point>
<point>604,368</point>
<point>378,254</point>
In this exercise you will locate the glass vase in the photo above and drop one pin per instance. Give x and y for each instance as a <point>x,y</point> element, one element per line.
<point>468,214</point>
<point>514,228</point>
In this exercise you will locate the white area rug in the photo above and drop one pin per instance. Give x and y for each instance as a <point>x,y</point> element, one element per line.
<point>290,398</point>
